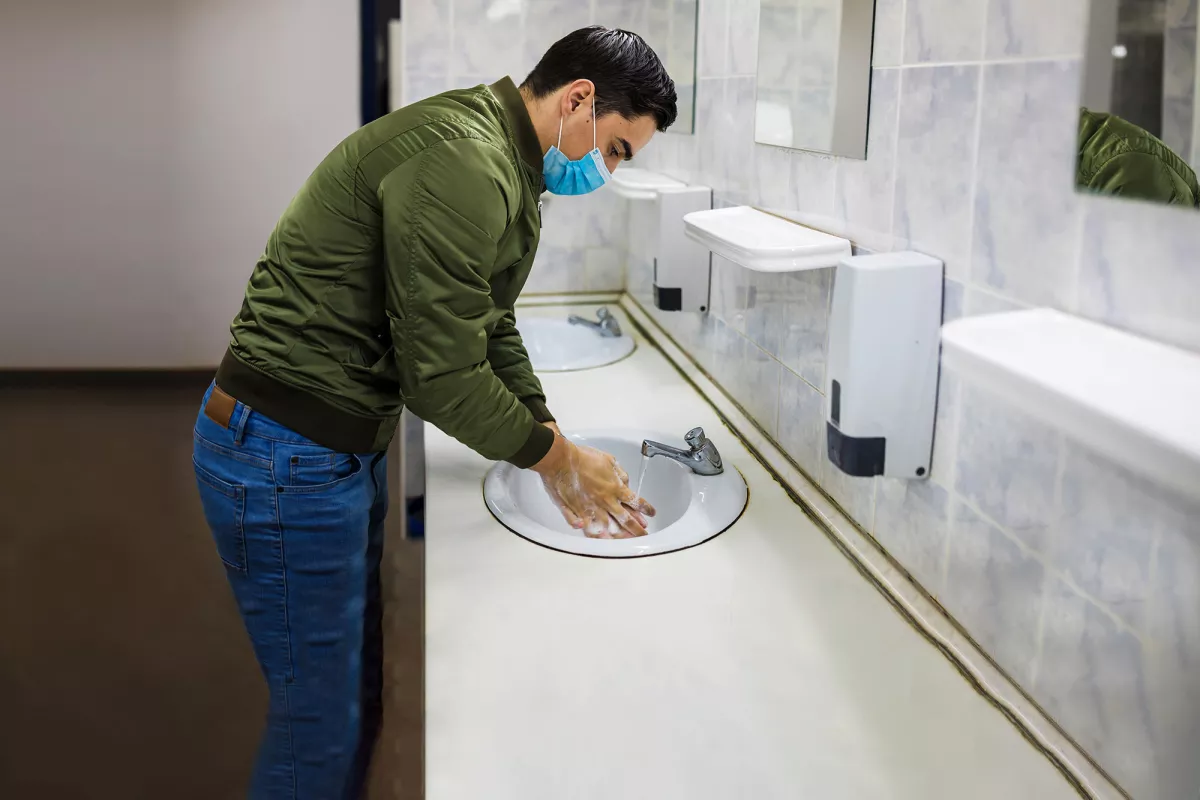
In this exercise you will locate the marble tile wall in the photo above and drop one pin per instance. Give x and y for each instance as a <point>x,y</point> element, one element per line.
<point>1179,78</point>
<point>1080,579</point>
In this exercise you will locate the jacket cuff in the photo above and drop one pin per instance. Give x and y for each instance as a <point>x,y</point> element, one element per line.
<point>540,440</point>
<point>537,407</point>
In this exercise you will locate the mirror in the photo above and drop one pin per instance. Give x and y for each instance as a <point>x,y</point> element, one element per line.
<point>668,26</point>
<point>814,75</point>
<point>1139,130</point>
<point>671,30</point>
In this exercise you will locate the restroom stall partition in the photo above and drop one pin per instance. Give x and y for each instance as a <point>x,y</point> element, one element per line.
<point>380,22</point>
<point>376,19</point>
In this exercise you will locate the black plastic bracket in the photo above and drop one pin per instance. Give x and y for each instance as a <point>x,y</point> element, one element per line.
<point>861,458</point>
<point>668,299</point>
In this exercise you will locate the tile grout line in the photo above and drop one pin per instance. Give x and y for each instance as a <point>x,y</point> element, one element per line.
<point>991,62</point>
<point>891,234</point>
<point>1152,580</point>
<point>1076,288</point>
<point>991,292</point>
<point>977,137</point>
<point>895,156</point>
<point>985,7</point>
<point>1049,570</point>
<point>727,41</point>
<point>952,479</point>
<point>779,400</point>
<point>403,60</point>
<point>452,35</point>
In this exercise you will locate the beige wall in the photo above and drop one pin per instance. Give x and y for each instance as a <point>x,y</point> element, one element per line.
<point>147,148</point>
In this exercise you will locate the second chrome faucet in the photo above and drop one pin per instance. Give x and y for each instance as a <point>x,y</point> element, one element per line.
<point>606,324</point>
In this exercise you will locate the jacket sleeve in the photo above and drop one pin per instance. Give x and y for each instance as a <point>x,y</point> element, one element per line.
<point>444,210</point>
<point>1141,176</point>
<point>510,361</point>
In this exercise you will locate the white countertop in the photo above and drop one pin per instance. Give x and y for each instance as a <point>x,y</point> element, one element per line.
<point>759,665</point>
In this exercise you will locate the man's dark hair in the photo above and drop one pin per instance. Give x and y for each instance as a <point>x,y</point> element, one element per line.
<point>629,77</point>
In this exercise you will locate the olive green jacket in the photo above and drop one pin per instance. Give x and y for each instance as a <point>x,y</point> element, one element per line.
<point>390,281</point>
<point>1117,157</point>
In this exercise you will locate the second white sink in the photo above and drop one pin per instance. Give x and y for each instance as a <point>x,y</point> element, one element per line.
<point>555,345</point>
<point>691,508</point>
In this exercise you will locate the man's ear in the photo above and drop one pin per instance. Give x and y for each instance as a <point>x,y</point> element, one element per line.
<point>577,94</point>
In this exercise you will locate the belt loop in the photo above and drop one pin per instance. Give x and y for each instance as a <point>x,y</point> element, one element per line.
<point>239,430</point>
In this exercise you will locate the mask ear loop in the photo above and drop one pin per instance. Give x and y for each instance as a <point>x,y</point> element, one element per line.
<point>560,127</point>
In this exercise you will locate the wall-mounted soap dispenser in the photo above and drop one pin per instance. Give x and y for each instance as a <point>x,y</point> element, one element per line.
<point>881,382</point>
<point>682,266</point>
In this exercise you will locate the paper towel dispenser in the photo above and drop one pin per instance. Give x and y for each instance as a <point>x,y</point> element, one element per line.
<point>882,374</point>
<point>682,266</point>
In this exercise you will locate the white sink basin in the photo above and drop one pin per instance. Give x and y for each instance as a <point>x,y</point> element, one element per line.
<point>691,508</point>
<point>556,345</point>
<point>633,183</point>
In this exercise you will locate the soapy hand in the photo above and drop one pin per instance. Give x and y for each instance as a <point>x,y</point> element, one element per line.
<point>592,492</point>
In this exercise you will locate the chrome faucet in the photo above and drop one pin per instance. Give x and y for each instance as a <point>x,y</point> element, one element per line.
<point>701,458</point>
<point>606,325</point>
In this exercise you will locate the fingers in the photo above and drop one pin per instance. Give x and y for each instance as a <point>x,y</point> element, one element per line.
<point>573,519</point>
<point>565,506</point>
<point>644,507</point>
<point>606,526</point>
<point>623,510</point>
<point>597,526</point>
<point>638,505</point>
<point>630,523</point>
<point>631,531</point>
<point>617,523</point>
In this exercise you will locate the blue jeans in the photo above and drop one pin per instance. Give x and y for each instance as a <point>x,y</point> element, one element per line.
<point>299,528</point>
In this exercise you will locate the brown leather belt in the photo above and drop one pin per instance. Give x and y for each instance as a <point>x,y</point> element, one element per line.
<point>219,407</point>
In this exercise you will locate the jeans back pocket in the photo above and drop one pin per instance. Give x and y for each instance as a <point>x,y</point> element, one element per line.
<point>224,509</point>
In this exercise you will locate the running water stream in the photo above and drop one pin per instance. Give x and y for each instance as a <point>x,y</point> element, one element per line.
<point>642,474</point>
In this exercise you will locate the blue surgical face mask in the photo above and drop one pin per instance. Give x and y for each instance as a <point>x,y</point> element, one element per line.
<point>564,176</point>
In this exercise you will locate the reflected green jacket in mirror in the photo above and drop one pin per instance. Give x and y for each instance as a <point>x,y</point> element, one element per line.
<point>1119,158</point>
<point>390,281</point>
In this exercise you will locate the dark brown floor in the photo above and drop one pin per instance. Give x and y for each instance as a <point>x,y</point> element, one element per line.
<point>124,668</point>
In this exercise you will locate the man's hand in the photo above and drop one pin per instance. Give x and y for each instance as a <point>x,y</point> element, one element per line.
<point>592,491</point>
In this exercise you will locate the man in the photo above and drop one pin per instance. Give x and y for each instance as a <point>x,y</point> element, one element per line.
<point>1117,157</point>
<point>390,282</point>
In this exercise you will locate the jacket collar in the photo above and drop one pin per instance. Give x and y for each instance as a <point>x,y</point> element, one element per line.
<point>520,125</point>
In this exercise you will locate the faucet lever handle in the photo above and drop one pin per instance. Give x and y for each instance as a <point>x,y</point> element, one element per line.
<point>695,438</point>
<point>603,313</point>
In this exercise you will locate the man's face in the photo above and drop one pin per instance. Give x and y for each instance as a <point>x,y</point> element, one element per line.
<point>619,139</point>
